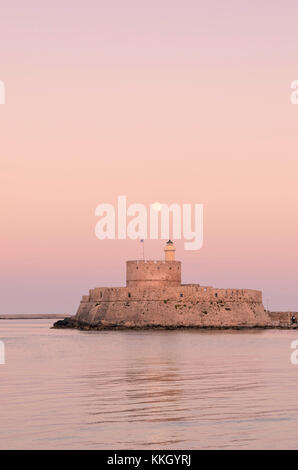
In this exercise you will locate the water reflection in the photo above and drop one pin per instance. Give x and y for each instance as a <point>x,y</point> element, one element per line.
<point>160,389</point>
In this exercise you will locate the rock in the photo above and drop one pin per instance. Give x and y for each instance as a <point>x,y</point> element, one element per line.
<point>68,322</point>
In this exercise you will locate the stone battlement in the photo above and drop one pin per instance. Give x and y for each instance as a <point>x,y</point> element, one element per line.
<point>187,292</point>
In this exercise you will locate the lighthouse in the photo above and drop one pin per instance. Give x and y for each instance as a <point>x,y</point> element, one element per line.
<point>170,251</point>
<point>155,273</point>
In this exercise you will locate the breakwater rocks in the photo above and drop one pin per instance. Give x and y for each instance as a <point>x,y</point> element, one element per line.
<point>71,322</point>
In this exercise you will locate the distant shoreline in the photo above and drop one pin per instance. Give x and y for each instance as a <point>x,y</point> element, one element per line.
<point>33,316</point>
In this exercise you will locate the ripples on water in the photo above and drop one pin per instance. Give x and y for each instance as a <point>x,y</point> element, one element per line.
<point>146,389</point>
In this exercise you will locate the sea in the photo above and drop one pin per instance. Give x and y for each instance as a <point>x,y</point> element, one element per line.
<point>183,389</point>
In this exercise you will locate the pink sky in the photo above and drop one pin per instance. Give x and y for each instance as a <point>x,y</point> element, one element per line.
<point>160,101</point>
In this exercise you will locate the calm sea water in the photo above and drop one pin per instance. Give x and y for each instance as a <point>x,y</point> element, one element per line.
<point>144,390</point>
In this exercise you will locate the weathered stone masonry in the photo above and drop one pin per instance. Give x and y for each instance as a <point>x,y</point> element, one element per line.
<point>153,273</point>
<point>172,306</point>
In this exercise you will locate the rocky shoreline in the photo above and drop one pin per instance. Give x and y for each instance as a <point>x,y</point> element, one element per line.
<point>73,323</point>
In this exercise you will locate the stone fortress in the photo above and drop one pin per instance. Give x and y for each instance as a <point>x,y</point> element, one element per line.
<point>154,297</point>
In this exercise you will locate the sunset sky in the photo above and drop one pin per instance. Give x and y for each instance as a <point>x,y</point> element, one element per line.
<point>169,101</point>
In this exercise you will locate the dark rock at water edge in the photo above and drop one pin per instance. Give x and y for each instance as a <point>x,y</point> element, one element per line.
<point>66,323</point>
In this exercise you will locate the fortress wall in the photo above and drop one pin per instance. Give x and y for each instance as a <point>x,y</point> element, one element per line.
<point>187,305</point>
<point>153,273</point>
<point>198,307</point>
<point>282,319</point>
<point>173,313</point>
<point>188,293</point>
